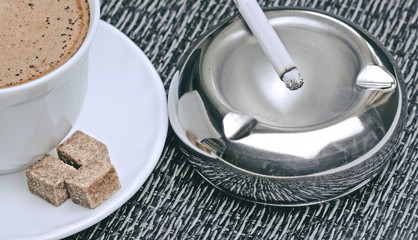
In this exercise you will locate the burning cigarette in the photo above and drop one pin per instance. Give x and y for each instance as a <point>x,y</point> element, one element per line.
<point>270,43</point>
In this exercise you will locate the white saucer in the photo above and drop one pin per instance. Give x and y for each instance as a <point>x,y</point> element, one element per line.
<point>126,109</point>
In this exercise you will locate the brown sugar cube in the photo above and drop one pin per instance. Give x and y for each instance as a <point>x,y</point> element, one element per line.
<point>80,149</point>
<point>93,184</point>
<point>46,179</point>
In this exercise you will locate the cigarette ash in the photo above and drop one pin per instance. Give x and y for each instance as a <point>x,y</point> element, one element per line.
<point>292,79</point>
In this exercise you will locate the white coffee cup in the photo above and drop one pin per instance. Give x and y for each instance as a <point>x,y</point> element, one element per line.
<point>37,115</point>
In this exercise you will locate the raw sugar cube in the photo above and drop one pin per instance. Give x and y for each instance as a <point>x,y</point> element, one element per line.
<point>46,179</point>
<point>80,149</point>
<point>93,183</point>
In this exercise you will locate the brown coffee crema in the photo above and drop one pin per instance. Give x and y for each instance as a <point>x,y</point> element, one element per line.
<point>38,36</point>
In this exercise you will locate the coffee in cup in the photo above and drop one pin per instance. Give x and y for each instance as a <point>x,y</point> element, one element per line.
<point>39,36</point>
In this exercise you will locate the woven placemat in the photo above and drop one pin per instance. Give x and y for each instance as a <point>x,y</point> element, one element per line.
<point>175,202</point>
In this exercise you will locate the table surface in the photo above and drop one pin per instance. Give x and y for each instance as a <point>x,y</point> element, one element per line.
<point>175,202</point>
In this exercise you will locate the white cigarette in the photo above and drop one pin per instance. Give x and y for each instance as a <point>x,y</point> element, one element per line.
<point>270,43</point>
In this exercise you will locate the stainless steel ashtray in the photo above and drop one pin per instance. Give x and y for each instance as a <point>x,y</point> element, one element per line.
<point>250,136</point>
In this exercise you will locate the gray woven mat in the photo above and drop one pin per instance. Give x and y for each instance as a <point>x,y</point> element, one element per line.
<point>175,202</point>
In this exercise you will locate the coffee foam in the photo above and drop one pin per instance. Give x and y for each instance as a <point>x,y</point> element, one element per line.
<point>38,36</point>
